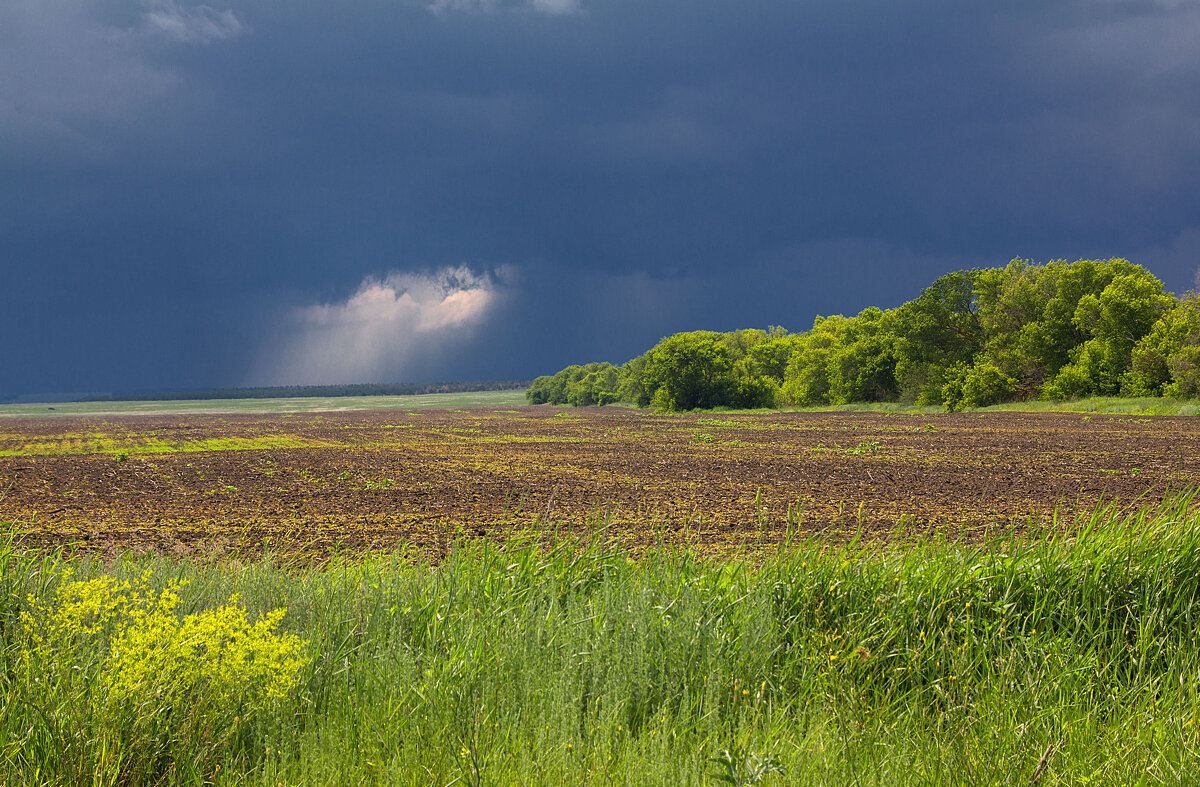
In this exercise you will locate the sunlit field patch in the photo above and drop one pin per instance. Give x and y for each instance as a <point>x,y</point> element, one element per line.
<point>134,444</point>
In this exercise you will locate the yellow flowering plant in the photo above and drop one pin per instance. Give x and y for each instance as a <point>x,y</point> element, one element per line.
<point>150,684</point>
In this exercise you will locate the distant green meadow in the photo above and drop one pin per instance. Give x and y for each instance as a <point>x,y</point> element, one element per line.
<point>250,406</point>
<point>1146,405</point>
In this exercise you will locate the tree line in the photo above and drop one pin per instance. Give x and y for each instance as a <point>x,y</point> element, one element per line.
<point>971,339</point>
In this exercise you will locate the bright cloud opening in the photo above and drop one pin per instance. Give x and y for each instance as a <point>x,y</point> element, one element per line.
<point>551,7</point>
<point>389,330</point>
<point>198,25</point>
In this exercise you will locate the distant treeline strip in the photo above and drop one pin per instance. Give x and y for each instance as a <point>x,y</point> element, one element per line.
<point>973,338</point>
<point>294,391</point>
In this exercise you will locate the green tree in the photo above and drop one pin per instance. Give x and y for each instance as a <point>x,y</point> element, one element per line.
<point>971,339</point>
<point>806,379</point>
<point>539,391</point>
<point>771,358</point>
<point>1114,321</point>
<point>741,342</point>
<point>750,392</point>
<point>1011,297</point>
<point>1038,319</point>
<point>986,385</point>
<point>692,370</point>
<point>580,386</point>
<point>634,385</point>
<point>862,366</point>
<point>934,333</point>
<point>599,384</point>
<point>1166,361</point>
<point>552,389</point>
<point>1012,305</point>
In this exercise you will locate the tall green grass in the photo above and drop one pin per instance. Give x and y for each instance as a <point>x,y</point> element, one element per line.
<point>1070,656</point>
<point>1103,405</point>
<point>1113,405</point>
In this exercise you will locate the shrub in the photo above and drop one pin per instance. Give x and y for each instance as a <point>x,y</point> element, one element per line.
<point>138,688</point>
<point>986,385</point>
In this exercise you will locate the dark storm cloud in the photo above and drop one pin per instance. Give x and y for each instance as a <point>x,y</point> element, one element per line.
<point>179,180</point>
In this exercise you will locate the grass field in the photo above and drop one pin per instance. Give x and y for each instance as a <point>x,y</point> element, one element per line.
<point>285,405</point>
<point>1100,405</point>
<point>1056,659</point>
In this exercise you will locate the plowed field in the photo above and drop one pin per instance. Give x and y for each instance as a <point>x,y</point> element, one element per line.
<point>421,478</point>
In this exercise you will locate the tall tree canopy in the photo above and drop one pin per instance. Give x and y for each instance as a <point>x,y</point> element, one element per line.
<point>972,338</point>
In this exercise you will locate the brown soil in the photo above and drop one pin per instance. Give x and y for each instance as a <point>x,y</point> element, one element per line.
<point>419,479</point>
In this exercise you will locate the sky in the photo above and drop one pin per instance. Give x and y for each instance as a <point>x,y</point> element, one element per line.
<point>256,192</point>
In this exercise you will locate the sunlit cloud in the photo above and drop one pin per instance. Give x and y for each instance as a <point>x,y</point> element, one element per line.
<point>388,330</point>
<point>199,24</point>
<point>556,6</point>
<point>551,7</point>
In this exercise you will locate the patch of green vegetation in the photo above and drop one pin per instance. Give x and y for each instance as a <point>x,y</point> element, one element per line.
<point>1103,327</point>
<point>297,405</point>
<point>167,685</point>
<point>1133,471</point>
<point>516,438</point>
<point>1095,405</point>
<point>134,444</point>
<point>865,447</point>
<point>1068,656</point>
<point>1105,405</point>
